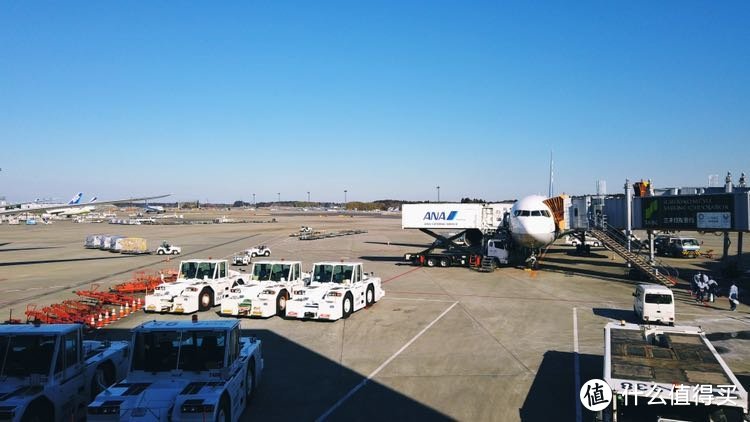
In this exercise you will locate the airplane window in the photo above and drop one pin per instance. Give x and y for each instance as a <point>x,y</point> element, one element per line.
<point>545,213</point>
<point>517,213</point>
<point>536,213</point>
<point>525,213</point>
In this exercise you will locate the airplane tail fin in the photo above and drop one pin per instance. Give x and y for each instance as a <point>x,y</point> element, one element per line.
<point>551,176</point>
<point>93,200</point>
<point>76,199</point>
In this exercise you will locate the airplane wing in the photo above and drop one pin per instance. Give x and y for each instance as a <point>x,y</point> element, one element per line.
<point>16,208</point>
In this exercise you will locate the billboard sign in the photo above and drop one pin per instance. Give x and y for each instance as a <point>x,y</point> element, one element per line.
<point>683,212</point>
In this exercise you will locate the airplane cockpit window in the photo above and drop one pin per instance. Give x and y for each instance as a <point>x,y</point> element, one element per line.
<point>546,213</point>
<point>517,213</point>
<point>525,213</point>
<point>536,213</point>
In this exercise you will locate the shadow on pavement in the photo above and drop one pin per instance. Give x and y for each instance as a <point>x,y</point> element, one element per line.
<point>626,315</point>
<point>300,384</point>
<point>552,395</point>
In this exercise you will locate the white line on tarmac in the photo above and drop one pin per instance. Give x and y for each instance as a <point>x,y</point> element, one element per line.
<point>364,382</point>
<point>419,299</point>
<point>576,365</point>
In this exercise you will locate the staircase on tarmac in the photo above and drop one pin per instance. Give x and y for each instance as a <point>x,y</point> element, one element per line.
<point>617,242</point>
<point>487,265</point>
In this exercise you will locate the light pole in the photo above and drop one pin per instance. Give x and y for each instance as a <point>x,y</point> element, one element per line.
<point>278,194</point>
<point>308,196</point>
<point>345,191</point>
<point>438,190</point>
<point>253,200</point>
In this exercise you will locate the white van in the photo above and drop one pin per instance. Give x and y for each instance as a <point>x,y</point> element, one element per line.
<point>654,303</point>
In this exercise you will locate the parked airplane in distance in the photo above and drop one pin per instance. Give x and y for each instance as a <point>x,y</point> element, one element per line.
<point>69,212</point>
<point>36,208</point>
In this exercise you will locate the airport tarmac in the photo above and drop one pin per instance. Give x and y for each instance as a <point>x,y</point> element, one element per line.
<point>444,343</point>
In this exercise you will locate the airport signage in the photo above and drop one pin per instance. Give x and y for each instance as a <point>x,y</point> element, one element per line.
<point>682,212</point>
<point>714,220</point>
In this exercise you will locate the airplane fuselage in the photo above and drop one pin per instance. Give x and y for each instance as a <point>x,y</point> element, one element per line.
<point>532,224</point>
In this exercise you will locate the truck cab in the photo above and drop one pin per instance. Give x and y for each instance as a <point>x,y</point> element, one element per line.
<point>266,292</point>
<point>49,373</point>
<point>336,290</point>
<point>200,285</point>
<point>182,370</point>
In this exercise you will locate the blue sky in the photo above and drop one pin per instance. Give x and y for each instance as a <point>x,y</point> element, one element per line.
<point>219,100</point>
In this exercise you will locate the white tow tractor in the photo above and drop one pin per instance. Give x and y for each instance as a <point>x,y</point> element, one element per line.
<point>200,286</point>
<point>336,290</point>
<point>180,370</point>
<point>266,292</point>
<point>49,373</point>
<point>261,250</point>
<point>167,249</point>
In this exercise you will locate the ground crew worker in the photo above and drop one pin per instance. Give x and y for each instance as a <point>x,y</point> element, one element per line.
<point>733,297</point>
<point>713,288</point>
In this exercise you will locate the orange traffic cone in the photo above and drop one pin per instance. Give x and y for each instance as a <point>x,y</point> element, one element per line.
<point>92,324</point>
<point>127,309</point>
<point>134,308</point>
<point>106,317</point>
<point>139,303</point>
<point>122,312</point>
<point>113,315</point>
<point>100,322</point>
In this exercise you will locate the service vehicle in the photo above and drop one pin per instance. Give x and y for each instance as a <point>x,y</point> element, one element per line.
<point>266,291</point>
<point>200,285</point>
<point>239,260</point>
<point>94,241</point>
<point>654,303</point>
<point>182,370</point>
<point>336,290</point>
<point>495,249</point>
<point>590,241</point>
<point>261,250</point>
<point>167,249</point>
<point>49,373</point>
<point>659,373</point>
<point>677,246</point>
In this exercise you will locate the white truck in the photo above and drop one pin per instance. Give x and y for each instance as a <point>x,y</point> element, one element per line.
<point>336,290</point>
<point>181,370</point>
<point>49,373</point>
<point>166,249</point>
<point>200,286</point>
<point>261,250</point>
<point>663,373</point>
<point>246,256</point>
<point>266,292</point>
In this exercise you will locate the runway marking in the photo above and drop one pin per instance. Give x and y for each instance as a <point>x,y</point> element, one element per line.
<point>419,299</point>
<point>400,275</point>
<point>364,382</point>
<point>576,365</point>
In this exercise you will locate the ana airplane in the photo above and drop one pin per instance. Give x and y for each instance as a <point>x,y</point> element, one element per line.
<point>36,208</point>
<point>532,225</point>
<point>153,208</point>
<point>69,212</point>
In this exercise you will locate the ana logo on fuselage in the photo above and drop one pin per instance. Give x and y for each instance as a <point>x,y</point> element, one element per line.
<point>434,216</point>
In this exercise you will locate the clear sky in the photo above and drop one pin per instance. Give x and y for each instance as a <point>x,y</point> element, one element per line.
<point>388,99</point>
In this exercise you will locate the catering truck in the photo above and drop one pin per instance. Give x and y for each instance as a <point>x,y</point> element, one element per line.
<point>49,373</point>
<point>183,370</point>
<point>660,373</point>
